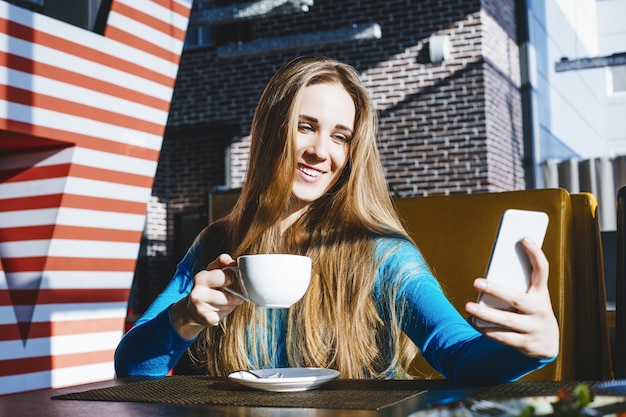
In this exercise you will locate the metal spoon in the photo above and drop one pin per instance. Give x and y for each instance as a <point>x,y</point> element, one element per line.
<point>257,375</point>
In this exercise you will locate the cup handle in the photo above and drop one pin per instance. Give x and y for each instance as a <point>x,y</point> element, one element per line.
<point>230,290</point>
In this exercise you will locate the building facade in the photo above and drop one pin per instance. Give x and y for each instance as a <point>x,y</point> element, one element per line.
<point>82,116</point>
<point>443,75</point>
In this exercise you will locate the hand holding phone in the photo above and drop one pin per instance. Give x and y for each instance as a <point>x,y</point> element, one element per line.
<point>509,264</point>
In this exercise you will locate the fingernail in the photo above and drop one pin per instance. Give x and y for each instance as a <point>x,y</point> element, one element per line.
<point>481,284</point>
<point>471,308</point>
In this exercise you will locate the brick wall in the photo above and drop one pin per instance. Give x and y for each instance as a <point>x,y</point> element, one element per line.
<point>502,98</point>
<point>453,127</point>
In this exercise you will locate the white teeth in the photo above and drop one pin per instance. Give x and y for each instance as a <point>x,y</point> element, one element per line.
<point>309,171</point>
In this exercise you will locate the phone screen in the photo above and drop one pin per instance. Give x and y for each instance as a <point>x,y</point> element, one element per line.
<point>509,264</point>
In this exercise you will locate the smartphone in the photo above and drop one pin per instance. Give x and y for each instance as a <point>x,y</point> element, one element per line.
<point>509,264</point>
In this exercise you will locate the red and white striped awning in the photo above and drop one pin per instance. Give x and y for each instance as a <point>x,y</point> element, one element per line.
<point>82,118</point>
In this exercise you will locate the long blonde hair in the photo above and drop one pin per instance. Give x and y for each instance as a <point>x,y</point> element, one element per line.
<point>337,323</point>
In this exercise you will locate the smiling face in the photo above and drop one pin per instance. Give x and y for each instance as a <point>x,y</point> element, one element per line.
<point>325,129</point>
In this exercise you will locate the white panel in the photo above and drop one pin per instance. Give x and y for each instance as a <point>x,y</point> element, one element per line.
<point>80,125</point>
<point>59,345</point>
<point>28,217</point>
<point>7,315</point>
<point>57,378</point>
<point>579,15</point>
<point>112,75</point>
<point>582,109</point>
<point>120,163</point>
<point>93,218</point>
<point>598,176</point>
<point>103,189</point>
<point>69,248</point>
<point>80,343</point>
<point>569,177</point>
<point>614,127</point>
<point>77,186</point>
<point>87,279</point>
<point>72,217</point>
<point>24,248</point>
<point>606,194</point>
<point>74,93</point>
<point>20,189</point>
<point>79,311</point>
<point>550,173</point>
<point>24,280</point>
<point>92,249</point>
<point>86,38</point>
<point>70,279</point>
<point>14,349</point>
<point>76,375</point>
<point>145,32</point>
<point>611,26</point>
<point>155,10</point>
<point>12,384</point>
<point>81,156</point>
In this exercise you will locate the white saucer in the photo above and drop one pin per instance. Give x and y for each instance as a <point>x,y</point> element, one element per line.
<point>293,379</point>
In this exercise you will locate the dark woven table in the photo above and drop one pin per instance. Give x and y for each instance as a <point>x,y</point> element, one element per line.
<point>337,394</point>
<point>199,390</point>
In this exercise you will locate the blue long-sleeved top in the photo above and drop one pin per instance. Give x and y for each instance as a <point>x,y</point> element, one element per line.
<point>445,339</point>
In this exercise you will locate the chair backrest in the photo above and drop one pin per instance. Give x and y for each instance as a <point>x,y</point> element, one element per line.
<point>619,366</point>
<point>456,234</point>
<point>593,355</point>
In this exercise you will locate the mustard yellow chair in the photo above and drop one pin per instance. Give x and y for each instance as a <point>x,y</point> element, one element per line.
<point>620,287</point>
<point>593,356</point>
<point>456,234</point>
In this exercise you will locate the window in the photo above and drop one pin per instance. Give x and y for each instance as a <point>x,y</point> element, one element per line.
<point>210,24</point>
<point>35,5</point>
<point>87,14</point>
<point>200,34</point>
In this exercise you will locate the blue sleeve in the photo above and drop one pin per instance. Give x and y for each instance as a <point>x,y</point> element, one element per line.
<point>153,346</point>
<point>446,340</point>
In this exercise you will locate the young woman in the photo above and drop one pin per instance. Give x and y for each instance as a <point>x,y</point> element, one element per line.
<point>315,187</point>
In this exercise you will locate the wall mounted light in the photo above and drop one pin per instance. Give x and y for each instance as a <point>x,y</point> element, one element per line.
<point>438,48</point>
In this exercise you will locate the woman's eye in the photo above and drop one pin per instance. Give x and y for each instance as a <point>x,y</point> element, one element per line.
<point>342,138</point>
<point>304,127</point>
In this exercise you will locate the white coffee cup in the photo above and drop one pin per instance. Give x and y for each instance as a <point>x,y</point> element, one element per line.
<point>272,280</point>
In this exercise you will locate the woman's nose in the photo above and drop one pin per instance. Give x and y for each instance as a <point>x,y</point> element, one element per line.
<point>318,146</point>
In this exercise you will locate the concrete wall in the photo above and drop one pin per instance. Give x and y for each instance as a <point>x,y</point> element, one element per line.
<point>612,34</point>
